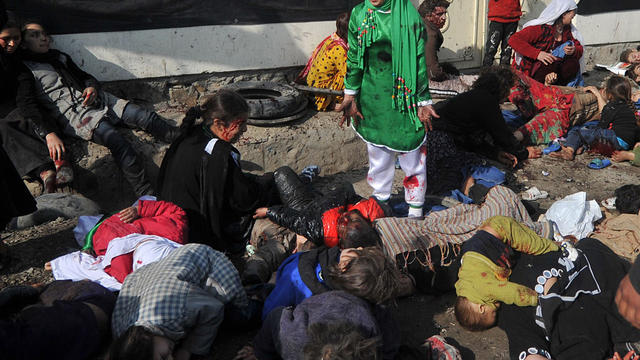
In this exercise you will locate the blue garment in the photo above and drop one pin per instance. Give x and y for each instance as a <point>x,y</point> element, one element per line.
<point>579,136</point>
<point>513,119</point>
<point>559,52</point>
<point>488,176</point>
<point>290,289</point>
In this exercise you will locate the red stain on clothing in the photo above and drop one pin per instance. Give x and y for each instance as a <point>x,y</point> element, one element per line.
<point>85,121</point>
<point>411,182</point>
<point>484,274</point>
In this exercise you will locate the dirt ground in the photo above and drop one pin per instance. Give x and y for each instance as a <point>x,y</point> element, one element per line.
<point>420,316</point>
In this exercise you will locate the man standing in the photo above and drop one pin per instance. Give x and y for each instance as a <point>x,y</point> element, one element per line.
<point>387,94</point>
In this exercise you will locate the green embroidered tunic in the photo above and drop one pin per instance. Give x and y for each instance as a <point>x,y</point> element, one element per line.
<point>383,124</point>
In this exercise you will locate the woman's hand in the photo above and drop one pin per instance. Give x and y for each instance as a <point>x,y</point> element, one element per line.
<point>89,94</point>
<point>425,113</point>
<point>546,58</point>
<point>129,214</point>
<point>55,146</point>
<point>569,49</point>
<point>507,159</point>
<point>631,355</point>
<point>534,152</point>
<point>349,109</point>
<point>260,213</point>
<point>246,353</point>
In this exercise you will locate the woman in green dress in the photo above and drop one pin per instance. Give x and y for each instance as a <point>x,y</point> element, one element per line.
<point>387,94</point>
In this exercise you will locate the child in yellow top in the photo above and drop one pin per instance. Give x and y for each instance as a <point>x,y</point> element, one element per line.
<point>483,278</point>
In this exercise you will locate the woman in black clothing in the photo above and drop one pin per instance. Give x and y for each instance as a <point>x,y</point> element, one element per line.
<point>472,116</point>
<point>201,173</point>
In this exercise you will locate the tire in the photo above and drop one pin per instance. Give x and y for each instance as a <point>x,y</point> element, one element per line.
<point>269,100</point>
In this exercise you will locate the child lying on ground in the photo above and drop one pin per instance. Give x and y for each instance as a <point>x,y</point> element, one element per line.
<point>136,236</point>
<point>487,259</point>
<point>618,127</point>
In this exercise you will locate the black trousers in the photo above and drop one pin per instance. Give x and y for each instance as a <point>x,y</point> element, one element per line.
<point>499,34</point>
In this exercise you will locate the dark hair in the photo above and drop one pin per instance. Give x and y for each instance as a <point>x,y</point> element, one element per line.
<point>630,73</point>
<point>9,21</point>
<point>370,276</point>
<point>359,234</point>
<point>559,19</point>
<point>624,56</point>
<point>496,80</point>
<point>225,105</point>
<point>618,88</point>
<point>135,344</point>
<point>342,25</point>
<point>428,6</point>
<point>628,199</point>
<point>339,341</point>
<point>467,317</point>
<point>32,21</point>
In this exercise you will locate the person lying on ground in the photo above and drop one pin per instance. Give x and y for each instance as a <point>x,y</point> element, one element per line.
<point>468,127</point>
<point>632,156</point>
<point>486,262</point>
<point>630,56</point>
<point>122,243</point>
<point>577,316</point>
<point>175,306</point>
<point>346,318</point>
<point>442,76</point>
<point>633,73</point>
<point>327,66</point>
<point>363,272</point>
<point>75,100</point>
<point>549,48</point>
<point>62,320</point>
<point>30,142</point>
<point>618,127</point>
<point>201,173</point>
<point>549,111</point>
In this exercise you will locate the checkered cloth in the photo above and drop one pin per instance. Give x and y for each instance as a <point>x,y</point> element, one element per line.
<point>156,295</point>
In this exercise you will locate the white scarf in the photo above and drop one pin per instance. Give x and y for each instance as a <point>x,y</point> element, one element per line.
<point>548,16</point>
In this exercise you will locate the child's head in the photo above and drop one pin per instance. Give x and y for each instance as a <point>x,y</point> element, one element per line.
<point>35,37</point>
<point>225,113</point>
<point>342,25</point>
<point>366,273</point>
<point>355,231</point>
<point>628,199</point>
<point>475,317</point>
<point>618,88</point>
<point>136,343</point>
<point>633,73</point>
<point>10,36</point>
<point>339,341</point>
<point>496,80</point>
<point>630,56</point>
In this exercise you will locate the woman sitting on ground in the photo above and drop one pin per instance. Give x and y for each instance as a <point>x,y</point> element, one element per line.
<point>201,173</point>
<point>468,128</point>
<point>549,48</point>
<point>75,101</point>
<point>327,66</point>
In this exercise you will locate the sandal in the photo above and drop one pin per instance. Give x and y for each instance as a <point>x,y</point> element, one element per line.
<point>534,194</point>
<point>64,173</point>
<point>598,163</point>
<point>555,146</point>
<point>48,181</point>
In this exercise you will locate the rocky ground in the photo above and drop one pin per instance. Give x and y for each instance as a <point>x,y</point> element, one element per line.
<point>315,139</point>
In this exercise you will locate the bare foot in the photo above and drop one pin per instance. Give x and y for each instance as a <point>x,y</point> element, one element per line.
<point>619,156</point>
<point>49,181</point>
<point>567,153</point>
<point>580,150</point>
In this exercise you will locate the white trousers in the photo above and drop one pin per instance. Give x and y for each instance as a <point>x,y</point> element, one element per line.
<point>382,169</point>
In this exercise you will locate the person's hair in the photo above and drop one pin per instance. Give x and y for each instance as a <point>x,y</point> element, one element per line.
<point>628,199</point>
<point>631,74</point>
<point>618,88</point>
<point>342,25</point>
<point>559,19</point>
<point>496,80</point>
<point>359,234</point>
<point>428,6</point>
<point>370,276</point>
<point>468,317</point>
<point>624,56</point>
<point>136,343</point>
<point>225,105</point>
<point>10,21</point>
<point>339,341</point>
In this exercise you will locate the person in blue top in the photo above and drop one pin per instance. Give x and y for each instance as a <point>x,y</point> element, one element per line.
<point>363,272</point>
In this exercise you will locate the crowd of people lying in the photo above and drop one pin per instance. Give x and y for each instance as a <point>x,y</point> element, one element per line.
<point>154,281</point>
